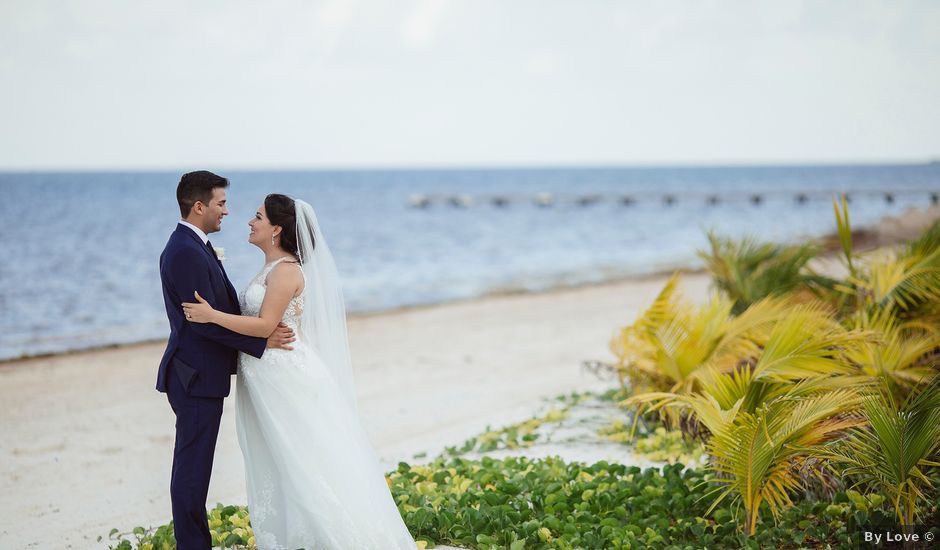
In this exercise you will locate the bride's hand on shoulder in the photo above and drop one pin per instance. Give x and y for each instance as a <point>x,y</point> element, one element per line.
<point>199,312</point>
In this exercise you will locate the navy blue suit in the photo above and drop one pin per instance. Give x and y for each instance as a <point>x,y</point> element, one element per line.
<point>196,374</point>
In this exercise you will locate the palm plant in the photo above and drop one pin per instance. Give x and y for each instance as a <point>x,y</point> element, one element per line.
<point>796,391</point>
<point>747,270</point>
<point>763,452</point>
<point>905,282</point>
<point>808,341</point>
<point>634,345</point>
<point>803,349</point>
<point>774,376</point>
<point>892,451</point>
<point>900,358</point>
<point>672,339</point>
<point>759,455</point>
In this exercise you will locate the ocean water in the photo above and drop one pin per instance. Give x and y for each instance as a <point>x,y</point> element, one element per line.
<point>79,251</point>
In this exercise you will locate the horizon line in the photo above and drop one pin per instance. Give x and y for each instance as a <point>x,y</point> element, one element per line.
<point>479,167</point>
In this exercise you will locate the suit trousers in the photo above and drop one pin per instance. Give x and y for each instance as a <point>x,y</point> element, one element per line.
<point>197,429</point>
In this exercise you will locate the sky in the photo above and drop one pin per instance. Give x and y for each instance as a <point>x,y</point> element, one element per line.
<point>111,84</point>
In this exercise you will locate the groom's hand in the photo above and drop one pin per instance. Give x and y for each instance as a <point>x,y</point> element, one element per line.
<point>281,337</point>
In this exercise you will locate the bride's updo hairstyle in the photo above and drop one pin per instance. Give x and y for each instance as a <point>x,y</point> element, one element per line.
<point>280,211</point>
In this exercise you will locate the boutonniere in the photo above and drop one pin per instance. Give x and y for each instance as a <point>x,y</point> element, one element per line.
<point>219,252</point>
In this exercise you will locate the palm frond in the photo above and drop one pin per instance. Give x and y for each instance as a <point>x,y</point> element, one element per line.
<point>845,231</point>
<point>757,453</point>
<point>747,270</point>
<point>807,342</point>
<point>926,244</point>
<point>890,451</point>
<point>898,355</point>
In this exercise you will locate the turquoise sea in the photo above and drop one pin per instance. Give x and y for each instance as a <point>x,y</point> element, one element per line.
<point>80,250</point>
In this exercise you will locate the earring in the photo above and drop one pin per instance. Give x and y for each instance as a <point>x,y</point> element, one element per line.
<point>272,239</point>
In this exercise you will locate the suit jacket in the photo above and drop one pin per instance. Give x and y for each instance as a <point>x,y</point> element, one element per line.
<point>204,356</point>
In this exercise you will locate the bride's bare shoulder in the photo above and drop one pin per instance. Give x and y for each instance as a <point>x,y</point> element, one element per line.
<point>286,274</point>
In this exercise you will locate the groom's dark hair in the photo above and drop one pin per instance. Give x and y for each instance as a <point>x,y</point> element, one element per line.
<point>197,187</point>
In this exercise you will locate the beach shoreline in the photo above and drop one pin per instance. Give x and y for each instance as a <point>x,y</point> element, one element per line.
<point>653,275</point>
<point>889,231</point>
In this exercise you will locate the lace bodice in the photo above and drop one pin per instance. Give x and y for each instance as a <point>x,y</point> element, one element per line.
<point>252,297</point>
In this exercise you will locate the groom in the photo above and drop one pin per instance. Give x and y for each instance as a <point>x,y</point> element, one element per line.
<point>200,359</point>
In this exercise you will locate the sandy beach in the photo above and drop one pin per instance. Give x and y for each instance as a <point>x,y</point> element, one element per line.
<point>86,441</point>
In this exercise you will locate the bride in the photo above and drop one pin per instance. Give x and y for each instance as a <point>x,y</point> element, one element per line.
<point>313,479</point>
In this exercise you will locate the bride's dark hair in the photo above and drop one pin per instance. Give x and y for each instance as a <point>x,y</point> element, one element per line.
<point>280,211</point>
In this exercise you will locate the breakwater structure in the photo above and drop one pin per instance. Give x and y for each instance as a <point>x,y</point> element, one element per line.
<point>549,200</point>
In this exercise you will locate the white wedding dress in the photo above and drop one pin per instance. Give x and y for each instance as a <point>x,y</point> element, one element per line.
<point>313,479</point>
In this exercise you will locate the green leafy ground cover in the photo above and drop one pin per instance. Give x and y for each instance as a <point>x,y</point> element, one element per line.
<point>517,503</point>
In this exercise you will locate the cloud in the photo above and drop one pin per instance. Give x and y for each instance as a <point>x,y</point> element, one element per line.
<point>292,83</point>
